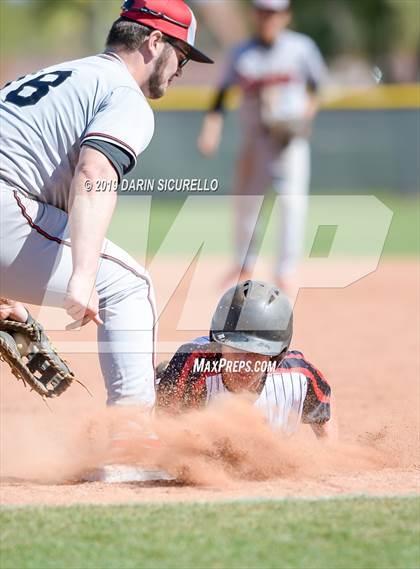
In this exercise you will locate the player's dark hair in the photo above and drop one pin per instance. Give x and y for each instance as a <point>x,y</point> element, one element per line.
<point>127,34</point>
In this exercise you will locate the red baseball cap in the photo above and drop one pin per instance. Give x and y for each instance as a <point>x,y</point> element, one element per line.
<point>173,18</point>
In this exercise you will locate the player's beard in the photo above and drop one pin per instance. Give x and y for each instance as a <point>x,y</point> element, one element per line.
<point>157,84</point>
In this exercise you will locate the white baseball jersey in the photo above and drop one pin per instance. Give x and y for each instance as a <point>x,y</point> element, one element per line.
<point>46,118</point>
<point>295,392</point>
<point>283,71</point>
<point>280,401</point>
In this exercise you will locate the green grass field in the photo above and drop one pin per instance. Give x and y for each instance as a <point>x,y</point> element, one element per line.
<point>213,218</point>
<point>363,533</point>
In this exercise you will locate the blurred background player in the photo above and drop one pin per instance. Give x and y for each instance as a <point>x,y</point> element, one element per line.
<point>252,326</point>
<point>280,73</point>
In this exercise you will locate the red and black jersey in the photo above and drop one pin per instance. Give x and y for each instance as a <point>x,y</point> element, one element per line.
<point>292,392</point>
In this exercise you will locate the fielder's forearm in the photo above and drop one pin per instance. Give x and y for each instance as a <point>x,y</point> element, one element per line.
<point>219,102</point>
<point>91,211</point>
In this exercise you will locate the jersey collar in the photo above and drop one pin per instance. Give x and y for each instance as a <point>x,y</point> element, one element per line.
<point>114,56</point>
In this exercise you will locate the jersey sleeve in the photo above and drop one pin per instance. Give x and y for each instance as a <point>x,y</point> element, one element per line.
<point>317,404</point>
<point>315,68</point>
<point>119,158</point>
<point>179,387</point>
<point>230,76</point>
<point>125,119</point>
<point>229,79</point>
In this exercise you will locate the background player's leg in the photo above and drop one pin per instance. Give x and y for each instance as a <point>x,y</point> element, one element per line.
<point>252,180</point>
<point>35,267</point>
<point>291,181</point>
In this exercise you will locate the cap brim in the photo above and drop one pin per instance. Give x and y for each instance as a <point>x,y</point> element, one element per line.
<point>197,55</point>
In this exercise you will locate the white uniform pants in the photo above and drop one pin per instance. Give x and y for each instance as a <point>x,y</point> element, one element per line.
<point>35,268</point>
<point>262,163</point>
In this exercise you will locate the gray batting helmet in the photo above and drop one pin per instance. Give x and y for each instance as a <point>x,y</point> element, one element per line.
<point>254,317</point>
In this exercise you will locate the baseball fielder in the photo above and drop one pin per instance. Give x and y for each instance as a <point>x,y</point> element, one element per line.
<point>247,350</point>
<point>279,72</point>
<point>68,135</point>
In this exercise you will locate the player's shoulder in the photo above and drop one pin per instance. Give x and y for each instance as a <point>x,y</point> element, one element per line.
<point>199,346</point>
<point>184,360</point>
<point>106,72</point>
<point>298,39</point>
<point>294,354</point>
<point>90,67</point>
<point>244,47</point>
<point>294,359</point>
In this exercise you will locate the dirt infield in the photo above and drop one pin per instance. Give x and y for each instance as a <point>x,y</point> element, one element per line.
<point>364,338</point>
